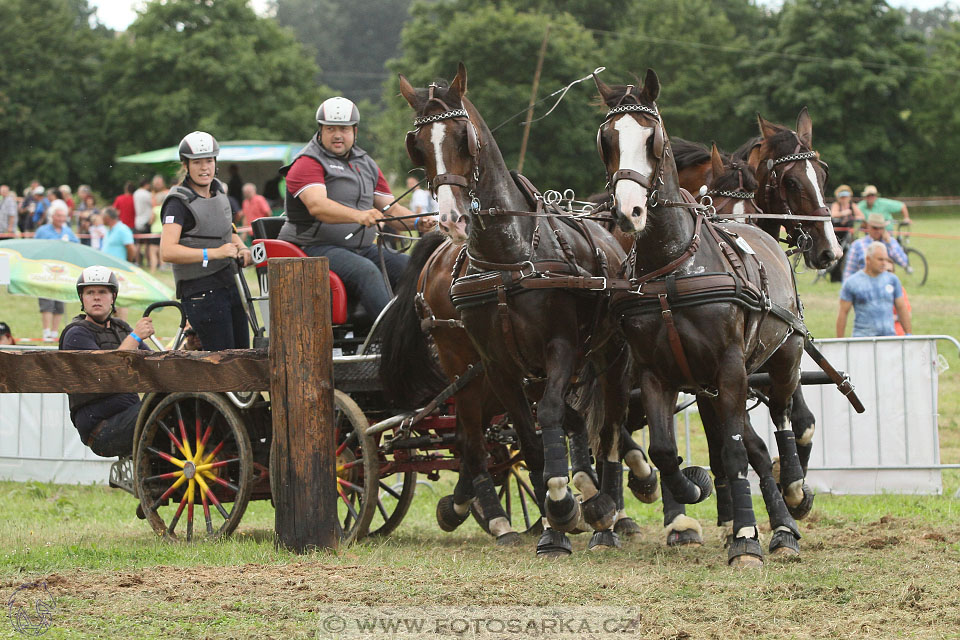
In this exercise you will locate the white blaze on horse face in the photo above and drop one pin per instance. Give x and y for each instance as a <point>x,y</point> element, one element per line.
<point>632,197</point>
<point>738,208</point>
<point>451,220</point>
<point>828,231</point>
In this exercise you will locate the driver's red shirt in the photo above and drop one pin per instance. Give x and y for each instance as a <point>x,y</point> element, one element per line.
<point>307,172</point>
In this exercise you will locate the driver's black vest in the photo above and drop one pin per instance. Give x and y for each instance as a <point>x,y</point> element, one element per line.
<point>108,339</point>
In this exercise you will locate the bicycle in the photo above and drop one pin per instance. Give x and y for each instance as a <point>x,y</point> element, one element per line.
<point>916,271</point>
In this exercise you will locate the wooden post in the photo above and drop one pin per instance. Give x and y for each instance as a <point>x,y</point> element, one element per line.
<point>533,99</point>
<point>302,460</point>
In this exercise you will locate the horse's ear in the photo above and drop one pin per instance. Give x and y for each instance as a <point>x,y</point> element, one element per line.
<point>651,85</point>
<point>459,84</point>
<point>407,91</point>
<point>767,129</point>
<point>606,93</point>
<point>805,128</point>
<point>716,162</point>
<point>754,158</point>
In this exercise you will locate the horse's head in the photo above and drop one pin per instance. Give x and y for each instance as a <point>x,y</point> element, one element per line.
<point>447,144</point>
<point>793,177</point>
<point>733,185</point>
<point>631,142</point>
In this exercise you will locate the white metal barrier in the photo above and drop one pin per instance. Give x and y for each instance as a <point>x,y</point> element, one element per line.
<point>894,446</point>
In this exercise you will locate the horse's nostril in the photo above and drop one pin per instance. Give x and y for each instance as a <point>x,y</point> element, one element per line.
<point>443,217</point>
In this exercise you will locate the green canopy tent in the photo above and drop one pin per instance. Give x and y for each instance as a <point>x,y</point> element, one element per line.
<point>257,160</point>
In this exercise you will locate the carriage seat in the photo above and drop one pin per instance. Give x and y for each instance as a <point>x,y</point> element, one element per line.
<point>265,232</point>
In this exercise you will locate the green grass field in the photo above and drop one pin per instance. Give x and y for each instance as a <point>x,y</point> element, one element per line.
<point>878,566</point>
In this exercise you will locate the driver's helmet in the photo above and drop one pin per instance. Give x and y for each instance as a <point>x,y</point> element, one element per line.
<point>100,276</point>
<point>337,111</point>
<point>198,144</point>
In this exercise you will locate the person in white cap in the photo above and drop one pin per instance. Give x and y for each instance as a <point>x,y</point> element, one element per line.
<point>104,421</point>
<point>199,239</point>
<point>873,203</point>
<point>335,192</point>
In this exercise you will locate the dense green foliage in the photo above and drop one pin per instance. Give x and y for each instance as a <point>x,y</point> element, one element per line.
<point>879,83</point>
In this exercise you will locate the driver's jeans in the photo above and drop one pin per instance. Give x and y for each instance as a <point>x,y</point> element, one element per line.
<point>360,271</point>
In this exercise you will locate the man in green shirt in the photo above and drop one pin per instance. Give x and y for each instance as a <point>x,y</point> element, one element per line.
<point>886,207</point>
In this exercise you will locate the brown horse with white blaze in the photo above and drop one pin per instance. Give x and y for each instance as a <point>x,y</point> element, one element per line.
<point>719,296</point>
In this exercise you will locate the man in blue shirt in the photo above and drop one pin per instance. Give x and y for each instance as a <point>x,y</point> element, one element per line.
<point>51,311</point>
<point>119,239</point>
<point>876,232</point>
<point>873,292</point>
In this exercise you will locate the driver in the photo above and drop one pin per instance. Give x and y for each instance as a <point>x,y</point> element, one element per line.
<point>105,421</point>
<point>336,190</point>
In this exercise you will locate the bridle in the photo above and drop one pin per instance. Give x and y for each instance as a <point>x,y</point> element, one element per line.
<point>724,201</point>
<point>661,149</point>
<point>473,147</point>
<point>775,188</point>
<point>648,182</point>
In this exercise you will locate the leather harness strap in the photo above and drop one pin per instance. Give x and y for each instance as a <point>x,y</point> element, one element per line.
<point>673,337</point>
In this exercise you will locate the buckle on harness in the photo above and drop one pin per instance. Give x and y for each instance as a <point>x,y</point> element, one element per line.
<point>602,287</point>
<point>533,269</point>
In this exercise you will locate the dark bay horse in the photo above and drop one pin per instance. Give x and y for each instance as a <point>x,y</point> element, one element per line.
<point>532,303</point>
<point>721,297</point>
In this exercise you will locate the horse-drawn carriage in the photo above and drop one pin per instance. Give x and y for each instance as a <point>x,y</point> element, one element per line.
<point>212,450</point>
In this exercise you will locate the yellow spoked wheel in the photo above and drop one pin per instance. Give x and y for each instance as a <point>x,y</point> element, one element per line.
<point>193,451</point>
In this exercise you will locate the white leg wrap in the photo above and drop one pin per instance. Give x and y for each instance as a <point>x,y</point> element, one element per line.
<point>748,532</point>
<point>794,493</point>
<point>638,465</point>
<point>584,485</point>
<point>684,522</point>
<point>461,509</point>
<point>557,488</point>
<point>500,526</point>
<point>783,528</point>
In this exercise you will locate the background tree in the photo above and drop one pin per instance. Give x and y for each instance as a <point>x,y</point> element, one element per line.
<point>49,121</point>
<point>693,47</point>
<point>215,66</point>
<point>849,62</point>
<point>350,40</point>
<point>935,116</point>
<point>499,47</point>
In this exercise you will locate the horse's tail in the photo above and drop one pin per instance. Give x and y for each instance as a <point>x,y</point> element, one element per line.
<point>409,373</point>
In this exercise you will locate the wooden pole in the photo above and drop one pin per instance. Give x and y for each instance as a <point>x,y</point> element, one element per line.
<point>302,460</point>
<point>533,99</point>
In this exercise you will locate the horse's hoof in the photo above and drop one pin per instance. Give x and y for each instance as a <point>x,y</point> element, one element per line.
<point>600,511</point>
<point>627,529</point>
<point>646,490</point>
<point>563,515</point>
<point>784,545</point>
<point>700,477</point>
<point>553,544</point>
<point>745,553</point>
<point>447,517</point>
<point>802,510</point>
<point>603,540</point>
<point>684,538</point>
<point>509,539</point>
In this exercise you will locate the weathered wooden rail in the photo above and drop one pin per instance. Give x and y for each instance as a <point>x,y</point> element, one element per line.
<point>297,371</point>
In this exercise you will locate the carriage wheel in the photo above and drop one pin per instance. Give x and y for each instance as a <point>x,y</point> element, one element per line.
<point>357,468</point>
<point>393,495</point>
<point>518,500</point>
<point>193,448</point>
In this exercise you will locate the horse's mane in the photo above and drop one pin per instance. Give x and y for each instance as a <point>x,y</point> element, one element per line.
<point>730,181</point>
<point>687,153</point>
<point>743,151</point>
